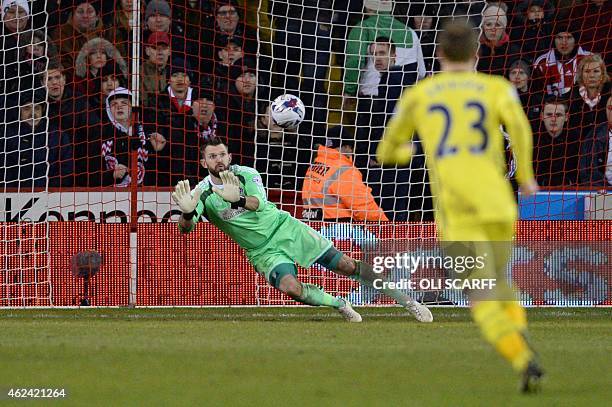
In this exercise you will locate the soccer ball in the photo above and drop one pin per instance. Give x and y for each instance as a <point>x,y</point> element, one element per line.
<point>287,111</point>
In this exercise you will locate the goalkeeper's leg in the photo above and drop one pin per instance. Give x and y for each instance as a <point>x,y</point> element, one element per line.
<point>284,278</point>
<point>364,273</point>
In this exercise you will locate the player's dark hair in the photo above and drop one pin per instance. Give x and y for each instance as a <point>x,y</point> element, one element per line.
<point>458,41</point>
<point>213,141</point>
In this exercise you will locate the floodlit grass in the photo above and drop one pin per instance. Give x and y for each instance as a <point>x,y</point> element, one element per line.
<point>295,356</point>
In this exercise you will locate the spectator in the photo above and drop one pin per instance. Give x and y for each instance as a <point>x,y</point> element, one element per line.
<point>15,20</point>
<point>32,155</point>
<point>120,29</point>
<point>229,58</point>
<point>334,189</point>
<point>424,21</point>
<point>589,95</point>
<point>154,71</point>
<point>495,46</point>
<point>158,18</point>
<point>595,167</point>
<point>180,92</point>
<point>173,121</point>
<point>203,125</point>
<point>83,25</point>
<point>393,79</point>
<point>68,112</point>
<point>206,118</point>
<point>555,154</point>
<point>384,86</point>
<point>95,55</point>
<point>122,134</point>
<point>393,187</point>
<point>554,71</point>
<point>592,18</point>
<point>379,23</point>
<point>35,50</point>
<point>532,30</point>
<point>228,26</point>
<point>519,73</point>
<point>110,78</point>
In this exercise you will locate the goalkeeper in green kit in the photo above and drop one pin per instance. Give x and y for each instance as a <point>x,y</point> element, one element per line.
<point>233,198</point>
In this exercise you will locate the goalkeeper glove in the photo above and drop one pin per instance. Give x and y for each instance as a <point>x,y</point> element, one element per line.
<point>231,187</point>
<point>183,197</point>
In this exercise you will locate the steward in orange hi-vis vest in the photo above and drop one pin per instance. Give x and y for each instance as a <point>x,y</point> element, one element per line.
<point>334,189</point>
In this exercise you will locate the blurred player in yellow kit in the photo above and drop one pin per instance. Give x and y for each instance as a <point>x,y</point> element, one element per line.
<point>457,115</point>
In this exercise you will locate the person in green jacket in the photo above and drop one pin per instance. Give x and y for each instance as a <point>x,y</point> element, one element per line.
<point>380,23</point>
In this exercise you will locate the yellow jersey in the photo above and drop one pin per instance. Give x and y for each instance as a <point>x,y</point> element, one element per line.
<point>457,116</point>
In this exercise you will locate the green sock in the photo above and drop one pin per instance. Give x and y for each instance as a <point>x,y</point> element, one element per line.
<point>313,295</point>
<point>366,276</point>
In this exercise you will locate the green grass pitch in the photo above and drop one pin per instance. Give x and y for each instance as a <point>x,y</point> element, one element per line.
<point>295,356</point>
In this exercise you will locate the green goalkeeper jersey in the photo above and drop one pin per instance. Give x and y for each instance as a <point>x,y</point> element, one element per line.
<point>250,229</point>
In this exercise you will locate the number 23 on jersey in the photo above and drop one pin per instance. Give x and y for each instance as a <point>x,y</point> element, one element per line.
<point>447,147</point>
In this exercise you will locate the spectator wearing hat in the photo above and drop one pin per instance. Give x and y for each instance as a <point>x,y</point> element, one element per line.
<point>519,73</point>
<point>155,72</point>
<point>158,19</point>
<point>554,72</point>
<point>556,148</point>
<point>532,28</point>
<point>592,18</point>
<point>15,20</point>
<point>84,24</point>
<point>15,16</point>
<point>32,154</point>
<point>95,55</point>
<point>120,133</point>
<point>495,47</point>
<point>229,26</point>
<point>589,96</point>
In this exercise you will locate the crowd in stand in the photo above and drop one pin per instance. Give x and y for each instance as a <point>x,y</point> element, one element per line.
<point>69,88</point>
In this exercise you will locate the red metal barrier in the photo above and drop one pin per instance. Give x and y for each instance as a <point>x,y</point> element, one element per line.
<point>206,268</point>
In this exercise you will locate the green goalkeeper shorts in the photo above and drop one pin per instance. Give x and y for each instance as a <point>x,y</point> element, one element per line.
<point>293,242</point>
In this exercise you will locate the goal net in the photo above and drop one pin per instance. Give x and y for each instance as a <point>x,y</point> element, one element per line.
<point>106,105</point>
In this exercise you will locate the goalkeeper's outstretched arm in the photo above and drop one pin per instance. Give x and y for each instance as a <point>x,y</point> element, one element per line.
<point>190,205</point>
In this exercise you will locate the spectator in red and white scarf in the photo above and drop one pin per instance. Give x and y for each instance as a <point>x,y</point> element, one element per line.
<point>589,95</point>
<point>121,133</point>
<point>555,71</point>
